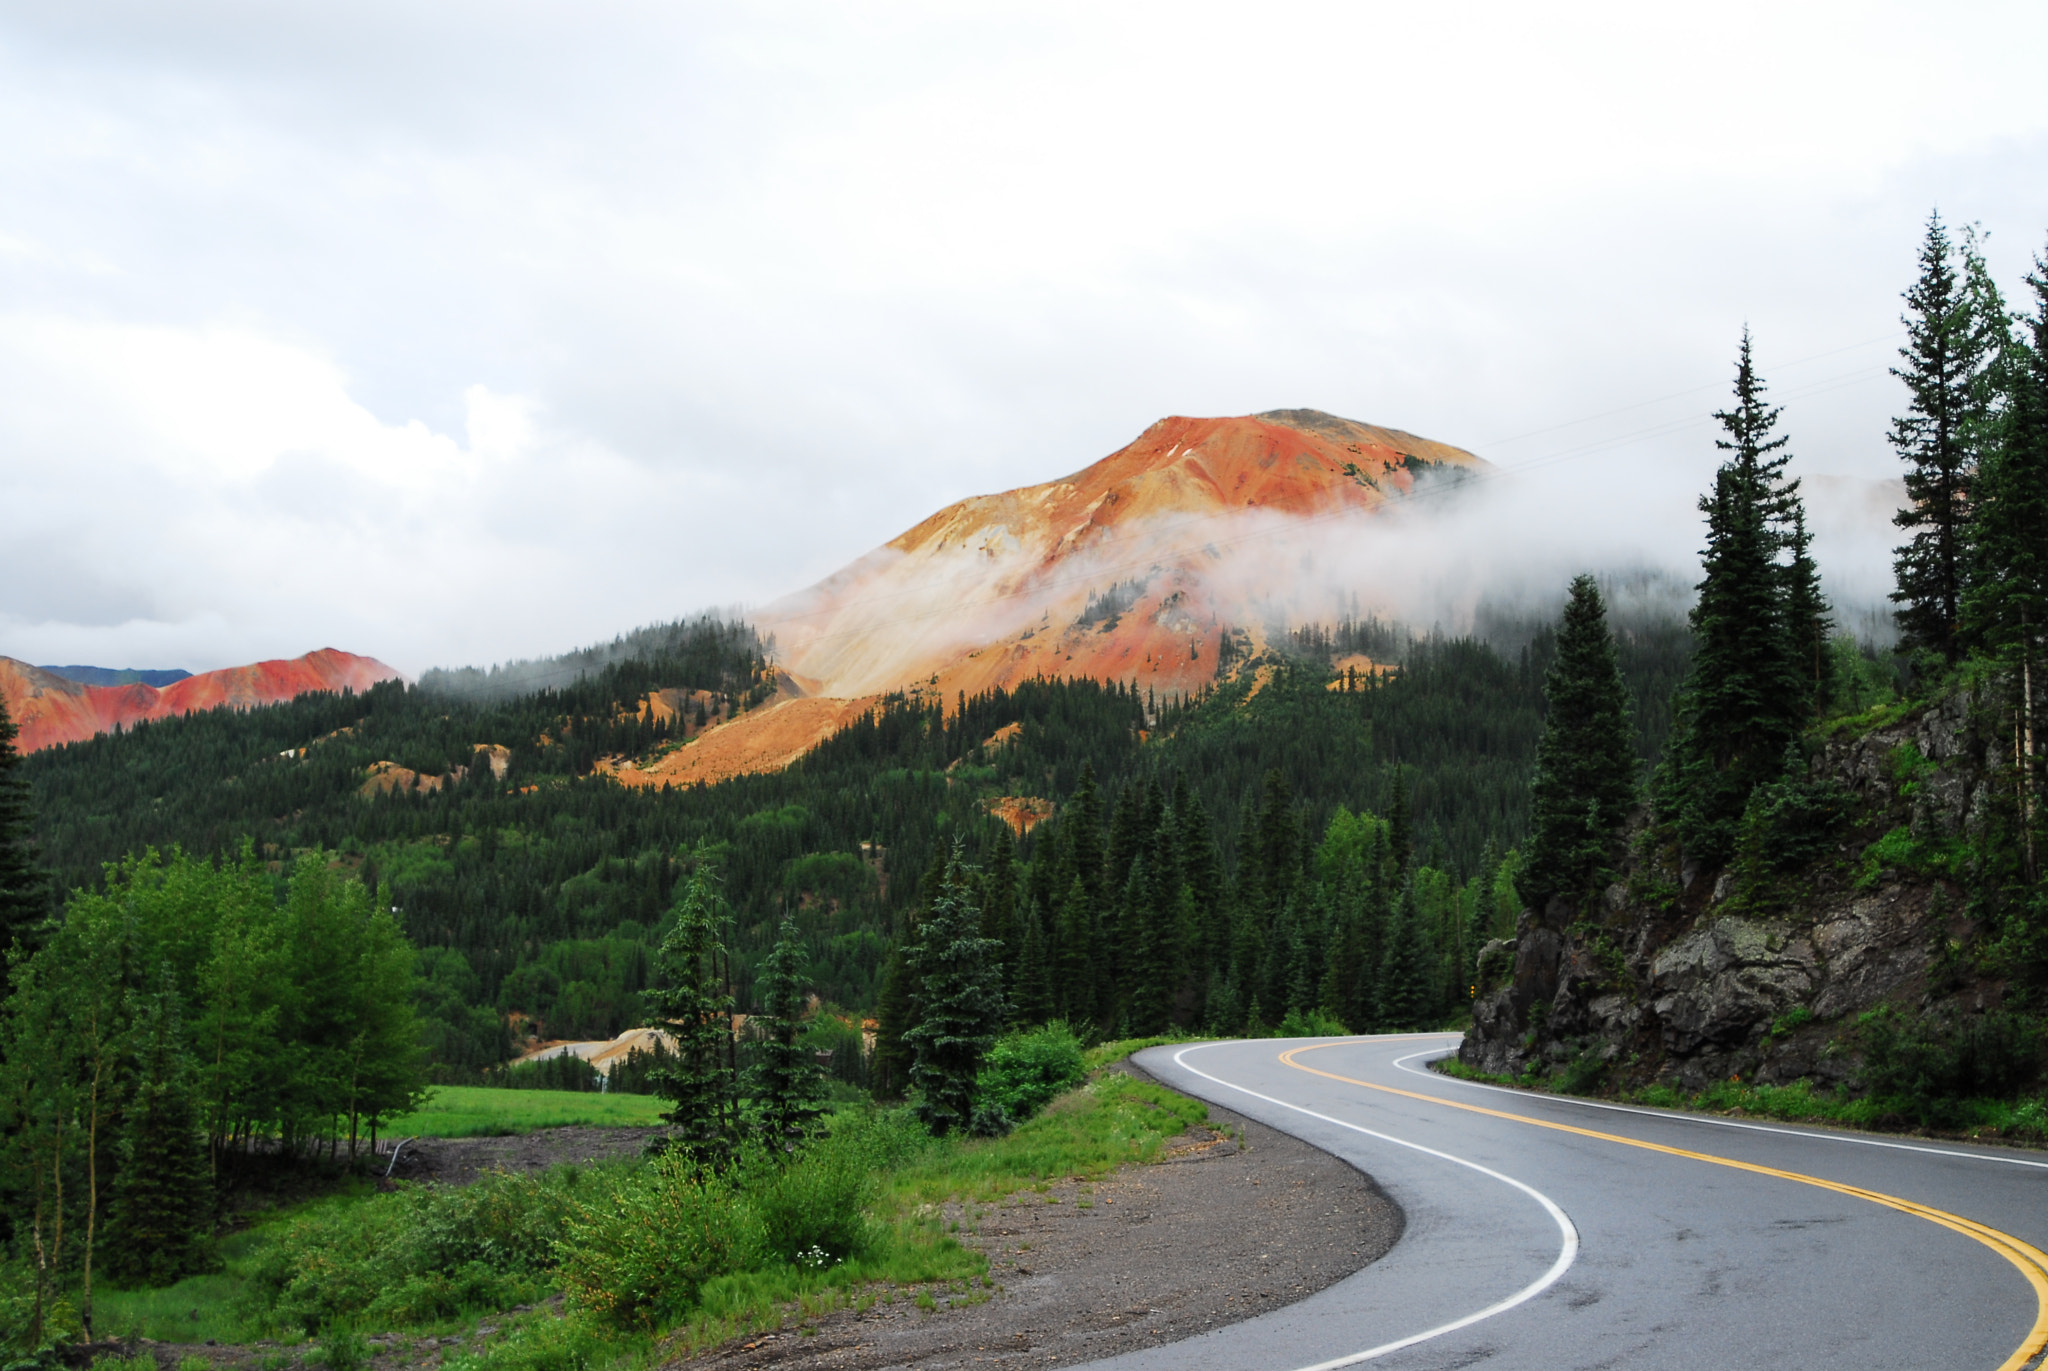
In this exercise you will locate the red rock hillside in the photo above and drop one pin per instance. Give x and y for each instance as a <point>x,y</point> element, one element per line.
<point>1133,569</point>
<point>51,711</point>
<point>1173,541</point>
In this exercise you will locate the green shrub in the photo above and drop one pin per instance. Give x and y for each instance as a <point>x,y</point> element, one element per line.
<point>1583,1073</point>
<point>813,1207</point>
<point>1024,1071</point>
<point>1925,1070</point>
<point>636,1255</point>
<point>17,1317</point>
<point>344,1350</point>
<point>1311,1023</point>
<point>1788,823</point>
<point>419,1255</point>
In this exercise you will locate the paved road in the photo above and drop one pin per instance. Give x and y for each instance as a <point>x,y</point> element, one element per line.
<point>1552,1233</point>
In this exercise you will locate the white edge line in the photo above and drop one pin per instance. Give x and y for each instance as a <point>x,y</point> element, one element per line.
<point>1568,1252</point>
<point>1686,1116</point>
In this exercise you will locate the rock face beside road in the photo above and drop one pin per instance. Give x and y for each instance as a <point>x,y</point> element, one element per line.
<point>1687,976</point>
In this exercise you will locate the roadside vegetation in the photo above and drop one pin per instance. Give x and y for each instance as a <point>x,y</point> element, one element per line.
<point>1995,1119</point>
<point>618,1263</point>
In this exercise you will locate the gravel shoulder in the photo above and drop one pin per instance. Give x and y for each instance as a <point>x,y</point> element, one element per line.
<point>458,1161</point>
<point>1216,1231</point>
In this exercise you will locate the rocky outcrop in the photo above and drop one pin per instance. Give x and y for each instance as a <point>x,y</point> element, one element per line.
<point>1686,975</point>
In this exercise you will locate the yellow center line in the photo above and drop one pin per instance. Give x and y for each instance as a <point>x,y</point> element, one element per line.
<point>2032,1263</point>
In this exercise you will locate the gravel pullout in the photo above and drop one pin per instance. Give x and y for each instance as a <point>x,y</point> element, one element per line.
<point>1210,1234</point>
<point>458,1161</point>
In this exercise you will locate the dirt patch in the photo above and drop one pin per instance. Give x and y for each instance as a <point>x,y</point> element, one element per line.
<point>1021,812</point>
<point>1213,1233</point>
<point>458,1161</point>
<point>764,739</point>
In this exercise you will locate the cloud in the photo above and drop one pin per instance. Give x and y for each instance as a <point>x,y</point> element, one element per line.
<point>527,325</point>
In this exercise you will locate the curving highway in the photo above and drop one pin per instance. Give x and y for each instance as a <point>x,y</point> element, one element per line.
<point>1554,1233</point>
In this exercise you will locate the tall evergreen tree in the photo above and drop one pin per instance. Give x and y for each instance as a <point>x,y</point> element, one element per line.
<point>1946,354</point>
<point>2005,609</point>
<point>1744,698</point>
<point>158,1218</point>
<point>1202,870</point>
<point>1809,618</point>
<point>1400,825</point>
<point>1585,779</point>
<point>692,1000</point>
<point>1407,1000</point>
<point>24,891</point>
<point>890,1066</point>
<point>784,1082</point>
<point>999,922</point>
<point>960,1007</point>
<point>1032,996</point>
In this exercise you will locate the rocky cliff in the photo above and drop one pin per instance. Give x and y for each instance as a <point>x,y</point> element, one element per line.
<point>1760,970</point>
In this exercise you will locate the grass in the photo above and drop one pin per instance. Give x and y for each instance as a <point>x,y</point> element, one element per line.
<point>475,1111</point>
<point>200,1307</point>
<point>1103,1054</point>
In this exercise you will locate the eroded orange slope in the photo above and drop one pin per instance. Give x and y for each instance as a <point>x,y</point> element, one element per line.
<point>51,711</point>
<point>1185,531</point>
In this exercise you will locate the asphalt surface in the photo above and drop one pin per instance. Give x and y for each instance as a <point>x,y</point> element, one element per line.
<point>1592,1242</point>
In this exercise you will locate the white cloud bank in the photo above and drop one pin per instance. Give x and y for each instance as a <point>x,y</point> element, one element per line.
<point>455,333</point>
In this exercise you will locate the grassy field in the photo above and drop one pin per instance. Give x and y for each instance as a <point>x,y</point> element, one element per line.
<point>474,1111</point>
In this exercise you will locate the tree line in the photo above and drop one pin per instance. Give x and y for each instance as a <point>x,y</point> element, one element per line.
<point>186,1024</point>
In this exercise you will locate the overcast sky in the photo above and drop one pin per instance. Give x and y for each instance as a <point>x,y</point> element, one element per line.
<point>457,332</point>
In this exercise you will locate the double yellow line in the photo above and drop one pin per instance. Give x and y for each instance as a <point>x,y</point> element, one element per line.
<point>2031,1261</point>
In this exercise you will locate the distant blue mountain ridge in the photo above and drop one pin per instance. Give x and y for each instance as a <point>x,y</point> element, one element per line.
<point>114,676</point>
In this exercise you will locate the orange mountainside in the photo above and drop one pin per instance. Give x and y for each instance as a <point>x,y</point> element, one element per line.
<point>1185,528</point>
<point>51,710</point>
<point>1134,569</point>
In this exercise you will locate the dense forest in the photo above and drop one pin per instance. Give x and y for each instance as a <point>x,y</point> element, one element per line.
<point>539,889</point>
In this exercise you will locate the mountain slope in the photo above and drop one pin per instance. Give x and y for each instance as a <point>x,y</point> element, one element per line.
<point>1133,568</point>
<point>51,710</point>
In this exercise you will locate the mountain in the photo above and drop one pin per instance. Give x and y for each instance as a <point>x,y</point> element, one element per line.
<point>1133,568</point>
<point>119,675</point>
<point>52,710</point>
<point>1160,564</point>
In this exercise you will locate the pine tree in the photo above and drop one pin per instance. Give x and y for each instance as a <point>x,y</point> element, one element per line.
<point>24,892</point>
<point>692,1000</point>
<point>960,1007</point>
<point>1032,999</point>
<point>1946,353</point>
<point>784,1083</point>
<point>890,1068</point>
<point>1078,963</point>
<point>161,1200</point>
<point>999,906</point>
<point>1744,698</point>
<point>1809,618</point>
<point>2005,609</point>
<point>1406,1001</point>
<point>1585,779</point>
<point>1400,825</point>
